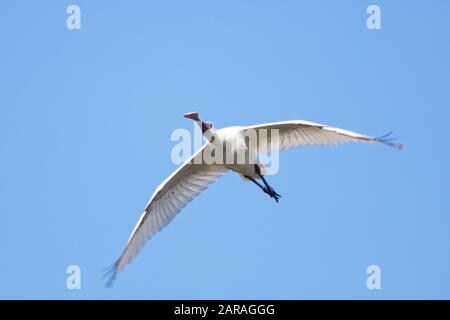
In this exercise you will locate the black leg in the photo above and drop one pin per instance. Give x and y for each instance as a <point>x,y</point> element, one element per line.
<point>265,182</point>
<point>257,183</point>
<point>267,188</point>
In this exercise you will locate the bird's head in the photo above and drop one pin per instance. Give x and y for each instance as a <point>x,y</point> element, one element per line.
<point>207,127</point>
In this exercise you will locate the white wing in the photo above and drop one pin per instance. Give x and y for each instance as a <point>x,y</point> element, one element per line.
<point>167,201</point>
<point>301,133</point>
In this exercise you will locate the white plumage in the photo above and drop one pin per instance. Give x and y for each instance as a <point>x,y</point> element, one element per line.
<point>191,178</point>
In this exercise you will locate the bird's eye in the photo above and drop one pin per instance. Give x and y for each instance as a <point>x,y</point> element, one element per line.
<point>210,125</point>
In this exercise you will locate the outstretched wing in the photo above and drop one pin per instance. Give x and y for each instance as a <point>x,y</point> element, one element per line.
<point>167,201</point>
<point>302,133</point>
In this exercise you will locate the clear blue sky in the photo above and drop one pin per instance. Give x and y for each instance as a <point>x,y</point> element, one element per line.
<point>85,123</point>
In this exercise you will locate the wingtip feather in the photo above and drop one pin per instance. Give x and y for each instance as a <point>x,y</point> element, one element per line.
<point>110,274</point>
<point>390,141</point>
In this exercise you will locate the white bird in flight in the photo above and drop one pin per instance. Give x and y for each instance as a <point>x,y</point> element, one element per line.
<point>191,178</point>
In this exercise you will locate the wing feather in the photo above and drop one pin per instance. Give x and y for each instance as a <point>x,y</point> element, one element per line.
<point>167,201</point>
<point>302,133</point>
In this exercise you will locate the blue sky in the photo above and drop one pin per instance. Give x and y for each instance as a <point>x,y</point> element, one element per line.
<point>85,123</point>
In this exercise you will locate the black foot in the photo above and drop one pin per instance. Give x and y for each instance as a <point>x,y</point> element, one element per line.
<point>272,193</point>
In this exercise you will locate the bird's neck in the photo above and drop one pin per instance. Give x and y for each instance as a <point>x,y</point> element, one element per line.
<point>211,135</point>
